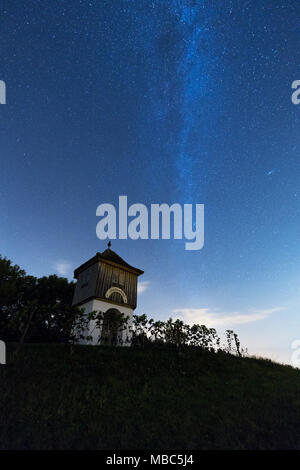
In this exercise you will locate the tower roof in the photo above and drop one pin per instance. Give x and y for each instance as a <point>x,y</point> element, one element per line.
<point>112,258</point>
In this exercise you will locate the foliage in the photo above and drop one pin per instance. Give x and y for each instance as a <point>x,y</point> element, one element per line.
<point>40,307</point>
<point>176,333</point>
<point>233,344</point>
<point>105,329</point>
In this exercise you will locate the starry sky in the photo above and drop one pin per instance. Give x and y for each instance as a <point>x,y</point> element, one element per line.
<point>184,101</point>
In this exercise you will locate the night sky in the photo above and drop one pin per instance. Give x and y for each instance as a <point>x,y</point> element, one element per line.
<point>162,101</point>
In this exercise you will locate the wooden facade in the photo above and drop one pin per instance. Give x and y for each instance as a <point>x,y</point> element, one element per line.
<point>107,277</point>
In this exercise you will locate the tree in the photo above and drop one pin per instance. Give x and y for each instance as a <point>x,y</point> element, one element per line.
<point>55,315</point>
<point>176,332</point>
<point>33,309</point>
<point>233,344</point>
<point>15,290</point>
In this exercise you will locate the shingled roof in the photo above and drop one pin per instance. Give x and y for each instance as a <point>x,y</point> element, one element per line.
<point>110,256</point>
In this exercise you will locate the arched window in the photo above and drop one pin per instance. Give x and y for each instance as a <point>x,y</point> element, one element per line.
<point>110,327</point>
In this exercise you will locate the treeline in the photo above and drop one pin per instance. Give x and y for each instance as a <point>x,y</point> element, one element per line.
<point>40,310</point>
<point>34,309</point>
<point>177,333</point>
<point>143,332</point>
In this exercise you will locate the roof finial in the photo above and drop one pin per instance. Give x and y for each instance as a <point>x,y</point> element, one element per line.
<point>109,244</point>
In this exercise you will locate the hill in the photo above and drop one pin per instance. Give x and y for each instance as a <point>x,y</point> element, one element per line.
<point>129,398</point>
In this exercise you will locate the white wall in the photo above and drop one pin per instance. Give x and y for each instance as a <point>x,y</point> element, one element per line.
<point>102,306</point>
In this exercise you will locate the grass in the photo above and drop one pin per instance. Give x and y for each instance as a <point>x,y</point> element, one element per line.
<point>127,398</point>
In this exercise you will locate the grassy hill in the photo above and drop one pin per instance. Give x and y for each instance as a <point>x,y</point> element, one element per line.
<point>118,398</point>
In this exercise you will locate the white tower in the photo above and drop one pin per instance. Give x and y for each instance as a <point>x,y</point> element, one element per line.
<point>108,284</point>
